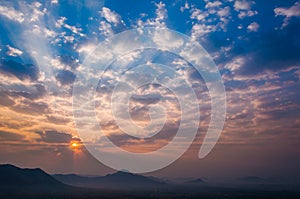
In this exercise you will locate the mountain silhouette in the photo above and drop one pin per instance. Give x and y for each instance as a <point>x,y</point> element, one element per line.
<point>13,176</point>
<point>119,179</point>
<point>196,181</point>
<point>252,179</point>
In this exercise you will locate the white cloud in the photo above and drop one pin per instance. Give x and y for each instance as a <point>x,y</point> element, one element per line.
<point>185,7</point>
<point>36,12</point>
<point>161,11</point>
<point>213,4</point>
<point>199,30</point>
<point>248,13</point>
<point>12,14</point>
<point>243,5</point>
<point>75,30</point>
<point>13,51</point>
<point>224,12</point>
<point>69,39</point>
<point>235,64</point>
<point>253,27</point>
<point>110,16</point>
<point>198,14</point>
<point>158,21</point>
<point>214,19</point>
<point>289,12</point>
<point>61,22</point>
<point>54,1</point>
<point>293,11</point>
<point>86,49</point>
<point>105,29</point>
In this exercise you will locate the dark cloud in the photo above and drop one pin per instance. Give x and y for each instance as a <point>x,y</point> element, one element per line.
<point>5,100</point>
<point>54,137</point>
<point>57,120</point>
<point>147,99</point>
<point>147,144</point>
<point>21,71</point>
<point>109,125</point>
<point>31,108</point>
<point>70,61</point>
<point>8,136</point>
<point>36,91</point>
<point>278,114</point>
<point>140,113</point>
<point>194,74</point>
<point>238,85</point>
<point>65,77</point>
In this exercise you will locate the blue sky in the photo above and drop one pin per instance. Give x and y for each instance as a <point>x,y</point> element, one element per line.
<point>255,45</point>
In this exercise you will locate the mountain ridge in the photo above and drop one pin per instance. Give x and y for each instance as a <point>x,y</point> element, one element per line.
<point>118,179</point>
<point>12,175</point>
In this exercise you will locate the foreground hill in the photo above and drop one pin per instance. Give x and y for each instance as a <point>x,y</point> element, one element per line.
<point>13,176</point>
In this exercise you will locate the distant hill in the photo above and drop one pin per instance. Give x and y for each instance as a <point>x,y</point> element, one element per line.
<point>13,176</point>
<point>196,181</point>
<point>252,179</point>
<point>119,179</point>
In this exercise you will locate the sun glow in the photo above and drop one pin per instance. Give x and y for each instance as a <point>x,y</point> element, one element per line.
<point>75,145</point>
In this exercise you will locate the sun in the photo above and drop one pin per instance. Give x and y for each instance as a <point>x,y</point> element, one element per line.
<point>75,145</point>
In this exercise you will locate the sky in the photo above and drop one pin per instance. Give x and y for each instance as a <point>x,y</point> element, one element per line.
<point>44,50</point>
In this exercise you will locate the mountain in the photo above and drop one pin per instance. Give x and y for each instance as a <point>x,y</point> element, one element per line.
<point>13,176</point>
<point>119,179</point>
<point>252,179</point>
<point>196,181</point>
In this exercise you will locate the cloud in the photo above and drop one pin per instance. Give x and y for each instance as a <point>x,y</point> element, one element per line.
<point>198,14</point>
<point>267,51</point>
<point>147,99</point>
<point>213,4</point>
<point>243,5</point>
<point>8,136</point>
<point>244,8</point>
<point>65,77</point>
<point>61,22</point>
<point>35,91</point>
<point>5,100</point>
<point>253,27</point>
<point>21,71</point>
<point>112,23</point>
<point>31,108</point>
<point>293,11</point>
<point>57,119</point>
<point>14,52</point>
<point>110,16</point>
<point>161,12</point>
<point>213,18</point>
<point>11,14</point>
<point>248,13</point>
<point>161,15</point>
<point>54,1</point>
<point>199,30</point>
<point>106,29</point>
<point>52,136</point>
<point>224,12</point>
<point>70,62</point>
<point>144,145</point>
<point>86,49</point>
<point>185,7</point>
